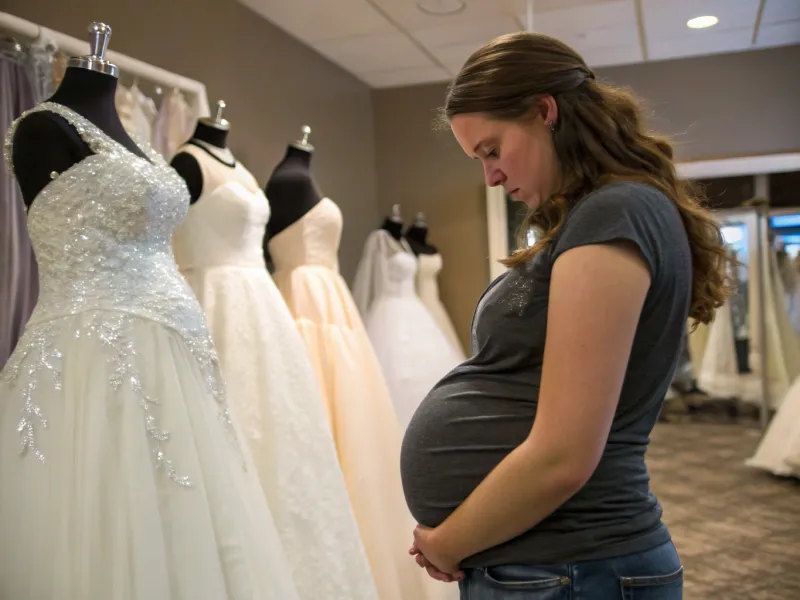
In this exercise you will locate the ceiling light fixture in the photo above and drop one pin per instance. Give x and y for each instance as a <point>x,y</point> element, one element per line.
<point>441,8</point>
<point>702,22</point>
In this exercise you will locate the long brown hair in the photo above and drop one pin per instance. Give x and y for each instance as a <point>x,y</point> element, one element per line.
<point>599,137</point>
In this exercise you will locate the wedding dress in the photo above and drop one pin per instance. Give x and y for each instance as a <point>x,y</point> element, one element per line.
<point>430,266</point>
<point>122,474</point>
<point>275,399</point>
<point>359,407</point>
<point>413,352</point>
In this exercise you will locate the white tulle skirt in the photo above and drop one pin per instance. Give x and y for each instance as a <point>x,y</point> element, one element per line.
<point>413,352</point>
<point>95,518</point>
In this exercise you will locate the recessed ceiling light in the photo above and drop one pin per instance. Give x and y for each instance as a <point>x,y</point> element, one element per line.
<point>441,8</point>
<point>702,22</point>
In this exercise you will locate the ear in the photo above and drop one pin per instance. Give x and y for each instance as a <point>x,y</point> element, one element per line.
<point>548,109</point>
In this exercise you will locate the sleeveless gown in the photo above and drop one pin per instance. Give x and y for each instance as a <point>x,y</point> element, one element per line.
<point>430,265</point>
<point>359,407</point>
<point>121,474</point>
<point>274,396</point>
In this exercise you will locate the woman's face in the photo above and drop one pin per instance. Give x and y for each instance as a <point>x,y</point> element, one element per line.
<point>520,156</point>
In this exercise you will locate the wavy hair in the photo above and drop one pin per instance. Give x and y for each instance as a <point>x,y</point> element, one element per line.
<point>599,137</point>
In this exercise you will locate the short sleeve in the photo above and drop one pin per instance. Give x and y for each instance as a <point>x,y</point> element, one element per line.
<point>631,212</point>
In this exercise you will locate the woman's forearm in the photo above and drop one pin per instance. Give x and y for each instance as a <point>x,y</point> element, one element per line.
<point>522,490</point>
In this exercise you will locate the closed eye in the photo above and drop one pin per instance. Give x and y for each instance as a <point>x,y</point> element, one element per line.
<point>491,154</point>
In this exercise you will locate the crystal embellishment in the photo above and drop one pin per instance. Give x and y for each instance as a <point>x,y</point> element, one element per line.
<point>102,234</point>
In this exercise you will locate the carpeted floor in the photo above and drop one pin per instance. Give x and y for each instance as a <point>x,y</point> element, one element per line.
<point>737,530</point>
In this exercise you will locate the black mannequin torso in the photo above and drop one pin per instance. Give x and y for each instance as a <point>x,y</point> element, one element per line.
<point>186,164</point>
<point>395,228</point>
<point>417,236</point>
<point>291,190</point>
<point>44,142</point>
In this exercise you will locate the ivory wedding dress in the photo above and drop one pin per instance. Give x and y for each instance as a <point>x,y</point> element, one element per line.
<point>430,265</point>
<point>121,475</point>
<point>359,406</point>
<point>274,396</point>
<point>413,352</point>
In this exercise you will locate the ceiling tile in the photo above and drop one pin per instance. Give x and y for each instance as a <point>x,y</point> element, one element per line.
<point>777,11</point>
<point>361,54</point>
<point>779,34</point>
<point>618,14</point>
<point>476,32</point>
<point>712,42</point>
<point>667,20</point>
<point>314,20</point>
<point>542,6</point>
<point>407,15</point>
<point>401,77</point>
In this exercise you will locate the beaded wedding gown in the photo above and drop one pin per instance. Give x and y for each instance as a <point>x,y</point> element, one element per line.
<point>121,475</point>
<point>274,397</point>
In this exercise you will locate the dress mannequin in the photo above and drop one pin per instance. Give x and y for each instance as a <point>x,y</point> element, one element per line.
<point>394,223</point>
<point>417,236</point>
<point>291,189</point>
<point>44,143</point>
<point>209,132</point>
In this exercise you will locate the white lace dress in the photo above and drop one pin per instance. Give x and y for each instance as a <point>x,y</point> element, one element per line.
<point>274,396</point>
<point>122,477</point>
<point>412,349</point>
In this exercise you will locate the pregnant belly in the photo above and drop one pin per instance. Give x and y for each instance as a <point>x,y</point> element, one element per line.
<point>456,437</point>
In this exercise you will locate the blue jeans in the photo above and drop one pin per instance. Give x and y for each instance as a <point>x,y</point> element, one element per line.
<point>654,574</point>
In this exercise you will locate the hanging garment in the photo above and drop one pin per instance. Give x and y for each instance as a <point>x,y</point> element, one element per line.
<point>274,396</point>
<point>137,112</point>
<point>359,407</point>
<point>173,125</point>
<point>779,449</point>
<point>413,352</point>
<point>428,291</point>
<point>19,283</point>
<point>122,474</point>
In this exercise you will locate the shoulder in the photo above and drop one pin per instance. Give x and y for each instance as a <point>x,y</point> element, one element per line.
<point>624,211</point>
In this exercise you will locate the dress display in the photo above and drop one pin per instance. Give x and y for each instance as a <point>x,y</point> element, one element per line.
<point>359,407</point>
<point>137,112</point>
<point>779,449</point>
<point>122,475</point>
<point>174,124</point>
<point>275,398</point>
<point>430,265</point>
<point>413,352</point>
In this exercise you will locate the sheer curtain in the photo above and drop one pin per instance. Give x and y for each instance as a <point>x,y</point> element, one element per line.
<point>19,283</point>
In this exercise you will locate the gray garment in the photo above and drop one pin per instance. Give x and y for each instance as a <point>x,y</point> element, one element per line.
<point>485,407</point>
<point>19,279</point>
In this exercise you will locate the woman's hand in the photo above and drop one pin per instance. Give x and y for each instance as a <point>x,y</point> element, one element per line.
<point>432,556</point>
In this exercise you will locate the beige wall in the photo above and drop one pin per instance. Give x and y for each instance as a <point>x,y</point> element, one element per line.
<point>723,105</point>
<point>272,83</point>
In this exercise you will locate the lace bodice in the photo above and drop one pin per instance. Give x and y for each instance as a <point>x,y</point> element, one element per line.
<point>225,226</point>
<point>400,273</point>
<point>427,285</point>
<point>101,231</point>
<point>313,240</point>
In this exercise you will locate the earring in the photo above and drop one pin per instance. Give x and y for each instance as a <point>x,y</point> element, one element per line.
<point>552,126</point>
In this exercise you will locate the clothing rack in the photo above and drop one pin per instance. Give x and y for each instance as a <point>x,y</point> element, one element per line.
<point>131,66</point>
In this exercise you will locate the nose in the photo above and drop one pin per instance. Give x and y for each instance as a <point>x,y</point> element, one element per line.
<point>493,176</point>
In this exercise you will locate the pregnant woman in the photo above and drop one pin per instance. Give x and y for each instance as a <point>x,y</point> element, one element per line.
<point>525,466</point>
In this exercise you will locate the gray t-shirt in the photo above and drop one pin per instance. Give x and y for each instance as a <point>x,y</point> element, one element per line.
<point>485,407</point>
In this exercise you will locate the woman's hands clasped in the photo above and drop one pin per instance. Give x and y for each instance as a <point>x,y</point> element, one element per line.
<point>431,555</point>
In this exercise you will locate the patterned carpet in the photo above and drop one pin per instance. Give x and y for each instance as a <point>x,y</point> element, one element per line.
<point>737,530</point>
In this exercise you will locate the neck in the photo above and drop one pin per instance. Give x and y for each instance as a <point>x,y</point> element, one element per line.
<point>393,227</point>
<point>87,91</point>
<point>417,233</point>
<point>211,135</point>
<point>297,156</point>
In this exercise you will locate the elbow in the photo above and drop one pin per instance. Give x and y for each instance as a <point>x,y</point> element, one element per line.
<point>569,469</point>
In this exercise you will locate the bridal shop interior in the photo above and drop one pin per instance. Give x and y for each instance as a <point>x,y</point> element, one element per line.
<point>337,244</point>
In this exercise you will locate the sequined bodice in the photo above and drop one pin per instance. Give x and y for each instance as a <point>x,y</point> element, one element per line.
<point>101,231</point>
